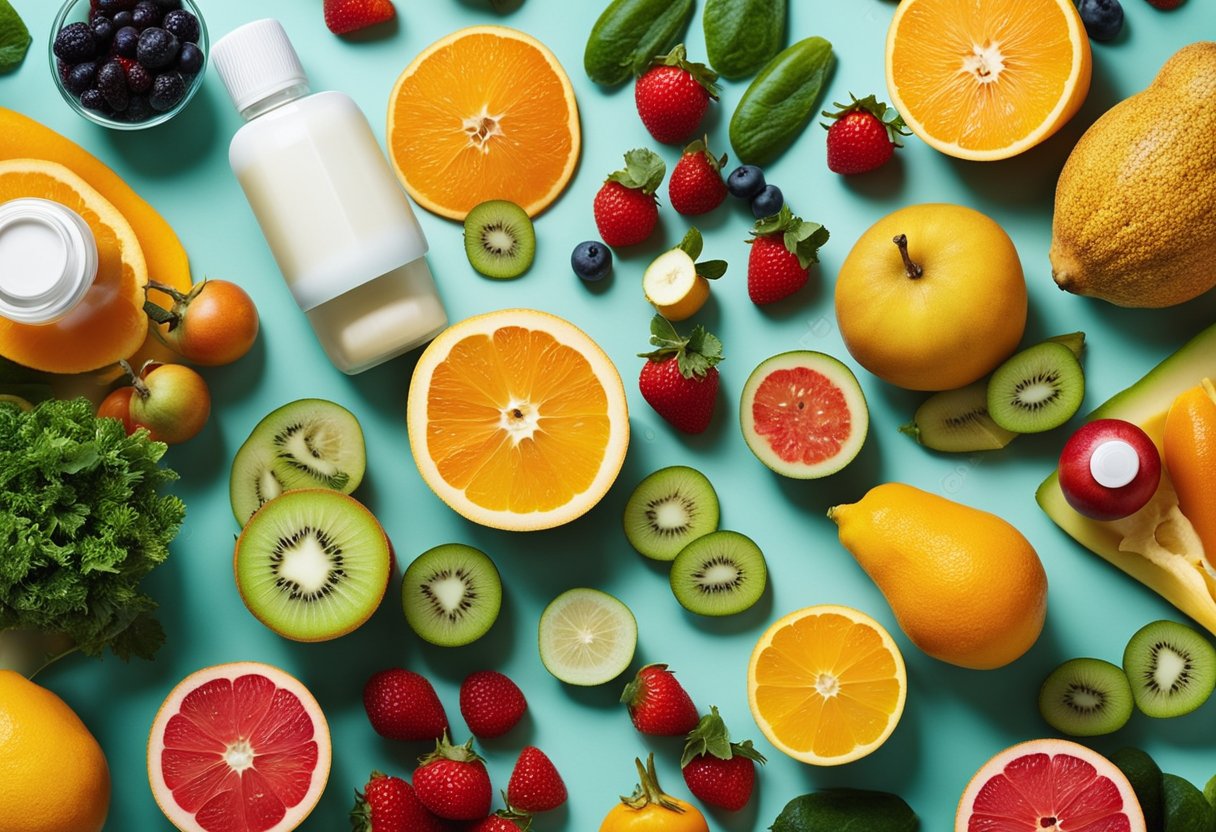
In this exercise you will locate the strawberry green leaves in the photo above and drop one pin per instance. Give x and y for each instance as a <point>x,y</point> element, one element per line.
<point>643,171</point>
<point>711,737</point>
<point>887,115</point>
<point>695,355</point>
<point>702,74</point>
<point>801,238</point>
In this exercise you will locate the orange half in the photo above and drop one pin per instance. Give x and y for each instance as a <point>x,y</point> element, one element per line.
<point>987,80</point>
<point>485,113</point>
<point>827,685</point>
<point>517,420</point>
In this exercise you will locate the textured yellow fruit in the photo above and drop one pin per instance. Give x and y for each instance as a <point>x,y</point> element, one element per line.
<point>946,327</point>
<point>1134,204</point>
<point>965,586</point>
<point>53,774</point>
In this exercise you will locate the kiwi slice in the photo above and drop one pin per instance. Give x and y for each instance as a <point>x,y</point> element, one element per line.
<point>451,595</point>
<point>499,239</point>
<point>309,443</point>
<point>722,573</point>
<point>1086,698</point>
<point>1172,668</point>
<point>1036,390</point>
<point>668,510</point>
<point>312,564</point>
<point>957,421</point>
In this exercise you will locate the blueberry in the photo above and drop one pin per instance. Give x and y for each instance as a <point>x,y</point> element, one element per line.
<point>93,100</point>
<point>126,41</point>
<point>168,5</point>
<point>190,60</point>
<point>112,82</point>
<point>591,260</point>
<point>138,109</point>
<point>103,29</point>
<point>167,91</point>
<point>157,48</point>
<point>183,24</point>
<point>75,43</point>
<point>745,181</point>
<point>145,14</point>
<point>139,80</point>
<point>80,77</point>
<point>768,202</point>
<point>1103,19</point>
<point>124,19</point>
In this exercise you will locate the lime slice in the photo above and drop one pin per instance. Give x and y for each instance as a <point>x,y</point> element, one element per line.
<point>587,637</point>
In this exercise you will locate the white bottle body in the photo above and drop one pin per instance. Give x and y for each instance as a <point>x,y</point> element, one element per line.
<point>339,227</point>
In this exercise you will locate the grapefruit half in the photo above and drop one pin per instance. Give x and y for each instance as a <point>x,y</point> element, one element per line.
<point>240,747</point>
<point>803,414</point>
<point>1046,785</point>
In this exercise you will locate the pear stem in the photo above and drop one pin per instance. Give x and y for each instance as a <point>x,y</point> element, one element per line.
<point>914,270</point>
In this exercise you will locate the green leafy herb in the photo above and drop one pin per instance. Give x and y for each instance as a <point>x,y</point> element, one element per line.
<point>81,523</point>
<point>14,37</point>
<point>846,810</point>
<point>644,170</point>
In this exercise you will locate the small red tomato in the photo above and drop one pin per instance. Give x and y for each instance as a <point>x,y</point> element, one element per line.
<point>117,405</point>
<point>172,402</point>
<point>216,323</point>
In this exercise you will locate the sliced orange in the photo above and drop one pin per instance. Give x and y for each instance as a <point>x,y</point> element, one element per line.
<point>987,80</point>
<point>517,419</point>
<point>109,323</point>
<point>485,113</point>
<point>827,685</point>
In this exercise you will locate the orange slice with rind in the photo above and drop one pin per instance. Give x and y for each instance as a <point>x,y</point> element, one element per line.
<point>987,80</point>
<point>484,113</point>
<point>517,420</point>
<point>827,685</point>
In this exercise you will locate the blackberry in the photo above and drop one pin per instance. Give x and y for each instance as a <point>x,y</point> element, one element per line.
<point>115,5</point>
<point>168,5</point>
<point>75,43</point>
<point>112,82</point>
<point>146,13</point>
<point>126,41</point>
<point>93,100</point>
<point>103,29</point>
<point>124,19</point>
<point>157,48</point>
<point>190,60</point>
<point>138,109</point>
<point>139,80</point>
<point>81,76</point>
<point>182,24</point>
<point>167,90</point>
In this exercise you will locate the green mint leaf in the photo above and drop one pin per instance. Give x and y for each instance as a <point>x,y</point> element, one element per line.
<point>709,737</point>
<point>805,240</point>
<point>692,243</point>
<point>14,37</point>
<point>644,171</point>
<point>711,269</point>
<point>846,810</point>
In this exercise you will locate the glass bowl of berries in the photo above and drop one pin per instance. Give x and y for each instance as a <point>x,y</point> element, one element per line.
<point>128,64</point>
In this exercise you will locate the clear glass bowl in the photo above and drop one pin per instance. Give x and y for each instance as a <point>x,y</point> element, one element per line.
<point>77,11</point>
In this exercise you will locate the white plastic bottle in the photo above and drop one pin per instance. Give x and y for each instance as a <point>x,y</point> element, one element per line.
<point>339,226</point>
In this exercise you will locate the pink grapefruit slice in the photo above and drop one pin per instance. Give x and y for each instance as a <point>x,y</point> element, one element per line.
<point>240,747</point>
<point>1049,785</point>
<point>803,414</point>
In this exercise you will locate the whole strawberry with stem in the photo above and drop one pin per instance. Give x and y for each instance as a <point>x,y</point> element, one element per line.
<point>344,16</point>
<point>535,785</point>
<point>783,248</point>
<point>696,185</point>
<point>673,95</point>
<point>388,804</point>
<point>862,135</point>
<point>491,703</point>
<point>626,210</point>
<point>452,782</point>
<point>658,703</point>
<point>717,771</point>
<point>403,705</point>
<point>680,379</point>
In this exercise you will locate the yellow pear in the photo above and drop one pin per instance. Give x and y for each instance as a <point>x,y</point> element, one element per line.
<point>965,586</point>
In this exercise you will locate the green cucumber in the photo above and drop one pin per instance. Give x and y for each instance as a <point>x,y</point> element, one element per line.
<point>629,34</point>
<point>779,103</point>
<point>742,35</point>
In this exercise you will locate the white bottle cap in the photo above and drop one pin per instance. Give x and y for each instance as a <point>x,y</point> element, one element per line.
<point>1114,463</point>
<point>255,61</point>
<point>48,260</point>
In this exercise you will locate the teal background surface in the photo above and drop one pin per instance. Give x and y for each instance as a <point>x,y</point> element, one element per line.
<point>955,719</point>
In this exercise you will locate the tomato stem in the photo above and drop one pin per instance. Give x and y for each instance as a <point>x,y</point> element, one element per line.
<point>141,389</point>
<point>914,270</point>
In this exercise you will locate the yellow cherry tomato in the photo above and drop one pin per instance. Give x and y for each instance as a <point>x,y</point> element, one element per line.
<point>649,809</point>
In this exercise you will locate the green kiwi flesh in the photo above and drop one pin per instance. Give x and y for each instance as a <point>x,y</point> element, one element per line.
<point>1172,668</point>
<point>722,573</point>
<point>957,421</point>
<point>499,239</point>
<point>668,510</point>
<point>309,443</point>
<point>1036,390</point>
<point>1086,698</point>
<point>312,564</point>
<point>451,595</point>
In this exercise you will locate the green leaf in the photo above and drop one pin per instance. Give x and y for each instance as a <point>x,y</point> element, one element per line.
<point>800,237</point>
<point>711,269</point>
<point>846,810</point>
<point>644,171</point>
<point>692,243</point>
<point>709,737</point>
<point>695,355</point>
<point>14,37</point>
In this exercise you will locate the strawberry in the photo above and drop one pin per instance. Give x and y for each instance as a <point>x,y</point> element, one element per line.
<point>679,379</point>
<point>783,249</point>
<point>388,804</point>
<point>502,821</point>
<point>673,95</point>
<point>535,785</point>
<point>658,704</point>
<point>343,16</point>
<point>402,705</point>
<point>1165,5</point>
<point>719,772</point>
<point>696,185</point>
<point>452,782</point>
<point>490,703</point>
<point>862,135</point>
<point>626,210</point>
